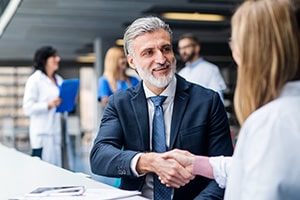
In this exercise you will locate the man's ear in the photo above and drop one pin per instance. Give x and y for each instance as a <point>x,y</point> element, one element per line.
<point>198,48</point>
<point>130,61</point>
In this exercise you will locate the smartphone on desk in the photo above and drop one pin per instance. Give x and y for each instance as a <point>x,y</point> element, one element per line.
<point>57,191</point>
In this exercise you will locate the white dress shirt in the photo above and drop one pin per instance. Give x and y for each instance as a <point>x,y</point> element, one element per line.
<point>205,74</point>
<point>168,104</point>
<point>266,162</point>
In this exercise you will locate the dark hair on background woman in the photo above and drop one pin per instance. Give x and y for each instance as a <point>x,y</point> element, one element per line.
<point>41,55</point>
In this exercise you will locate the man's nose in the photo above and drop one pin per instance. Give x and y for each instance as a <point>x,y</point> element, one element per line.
<point>160,57</point>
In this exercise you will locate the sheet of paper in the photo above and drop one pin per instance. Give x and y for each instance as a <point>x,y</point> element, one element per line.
<point>89,194</point>
<point>107,194</point>
<point>56,191</point>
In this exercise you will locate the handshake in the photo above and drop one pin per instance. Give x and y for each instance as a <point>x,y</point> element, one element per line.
<point>174,168</point>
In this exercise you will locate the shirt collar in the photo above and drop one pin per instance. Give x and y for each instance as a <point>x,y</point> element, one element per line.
<point>291,88</point>
<point>169,91</point>
<point>195,63</point>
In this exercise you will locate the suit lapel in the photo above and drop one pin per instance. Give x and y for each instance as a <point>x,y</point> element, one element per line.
<point>180,103</point>
<point>140,109</point>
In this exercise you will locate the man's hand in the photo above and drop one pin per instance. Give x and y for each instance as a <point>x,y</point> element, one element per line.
<point>196,165</point>
<point>185,158</point>
<point>169,171</point>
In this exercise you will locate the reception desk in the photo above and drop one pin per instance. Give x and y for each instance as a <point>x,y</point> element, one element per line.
<point>20,174</point>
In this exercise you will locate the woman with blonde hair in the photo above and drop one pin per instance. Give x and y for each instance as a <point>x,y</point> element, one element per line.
<point>266,46</point>
<point>114,77</point>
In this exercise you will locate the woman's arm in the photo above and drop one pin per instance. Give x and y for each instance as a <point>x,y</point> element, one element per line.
<point>211,167</point>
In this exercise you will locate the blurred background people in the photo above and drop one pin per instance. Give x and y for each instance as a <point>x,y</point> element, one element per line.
<point>197,69</point>
<point>114,76</point>
<point>41,97</point>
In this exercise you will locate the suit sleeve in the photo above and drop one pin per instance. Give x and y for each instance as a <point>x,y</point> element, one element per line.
<point>107,157</point>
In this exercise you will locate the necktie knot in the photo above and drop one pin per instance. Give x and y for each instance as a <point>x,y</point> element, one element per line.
<point>158,100</point>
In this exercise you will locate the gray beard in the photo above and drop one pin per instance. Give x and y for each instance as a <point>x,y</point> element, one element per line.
<point>159,83</point>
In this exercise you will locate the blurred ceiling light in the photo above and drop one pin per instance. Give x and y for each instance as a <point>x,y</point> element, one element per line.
<point>193,16</point>
<point>88,58</point>
<point>8,13</point>
<point>119,42</point>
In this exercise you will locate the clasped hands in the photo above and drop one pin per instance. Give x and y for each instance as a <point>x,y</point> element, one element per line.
<point>174,168</point>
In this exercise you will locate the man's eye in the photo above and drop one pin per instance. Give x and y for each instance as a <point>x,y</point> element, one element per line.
<point>148,53</point>
<point>166,49</point>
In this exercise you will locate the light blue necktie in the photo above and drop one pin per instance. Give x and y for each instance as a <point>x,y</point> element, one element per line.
<point>161,192</point>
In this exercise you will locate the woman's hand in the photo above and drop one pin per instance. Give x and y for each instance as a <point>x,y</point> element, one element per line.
<point>53,104</point>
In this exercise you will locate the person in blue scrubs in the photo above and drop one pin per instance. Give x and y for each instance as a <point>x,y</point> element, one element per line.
<point>114,77</point>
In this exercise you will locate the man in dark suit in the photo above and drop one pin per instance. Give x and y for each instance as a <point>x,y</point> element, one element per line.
<point>194,120</point>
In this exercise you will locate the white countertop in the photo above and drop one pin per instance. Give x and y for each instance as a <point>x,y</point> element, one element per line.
<point>20,174</point>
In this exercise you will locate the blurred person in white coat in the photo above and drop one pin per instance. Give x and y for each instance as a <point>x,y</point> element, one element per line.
<point>41,98</point>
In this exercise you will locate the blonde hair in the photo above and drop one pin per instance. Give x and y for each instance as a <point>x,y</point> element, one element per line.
<point>266,35</point>
<point>111,66</point>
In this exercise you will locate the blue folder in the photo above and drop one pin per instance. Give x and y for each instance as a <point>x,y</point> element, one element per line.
<point>68,93</point>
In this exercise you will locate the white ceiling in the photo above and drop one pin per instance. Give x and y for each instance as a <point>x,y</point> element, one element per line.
<point>71,26</point>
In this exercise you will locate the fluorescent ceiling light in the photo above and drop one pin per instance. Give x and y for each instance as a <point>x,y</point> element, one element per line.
<point>88,58</point>
<point>119,42</point>
<point>8,14</point>
<point>193,16</point>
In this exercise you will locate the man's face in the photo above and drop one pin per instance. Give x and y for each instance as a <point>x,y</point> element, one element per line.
<point>153,58</point>
<point>187,50</point>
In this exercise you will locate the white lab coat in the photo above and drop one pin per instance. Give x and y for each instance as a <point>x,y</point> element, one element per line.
<point>45,124</point>
<point>266,161</point>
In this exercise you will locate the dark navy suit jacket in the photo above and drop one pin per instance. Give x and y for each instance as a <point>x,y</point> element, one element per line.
<point>199,125</point>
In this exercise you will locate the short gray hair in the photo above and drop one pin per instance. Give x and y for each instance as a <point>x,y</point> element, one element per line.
<point>141,26</point>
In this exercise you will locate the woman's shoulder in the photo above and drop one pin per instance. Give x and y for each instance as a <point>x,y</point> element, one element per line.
<point>103,82</point>
<point>103,87</point>
<point>35,76</point>
<point>59,78</point>
<point>102,79</point>
<point>133,80</point>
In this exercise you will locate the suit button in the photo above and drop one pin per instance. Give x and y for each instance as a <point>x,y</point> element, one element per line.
<point>122,170</point>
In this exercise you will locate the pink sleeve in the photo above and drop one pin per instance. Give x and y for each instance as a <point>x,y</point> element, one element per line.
<point>202,167</point>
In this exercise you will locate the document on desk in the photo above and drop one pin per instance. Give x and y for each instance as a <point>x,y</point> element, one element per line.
<point>108,194</point>
<point>57,191</point>
<point>89,194</point>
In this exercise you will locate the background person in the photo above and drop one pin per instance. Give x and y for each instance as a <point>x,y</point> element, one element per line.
<point>39,103</point>
<point>197,69</point>
<point>114,76</point>
<point>194,119</point>
<point>265,164</point>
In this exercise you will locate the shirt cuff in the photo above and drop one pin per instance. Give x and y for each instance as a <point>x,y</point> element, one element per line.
<point>133,165</point>
<point>221,167</point>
